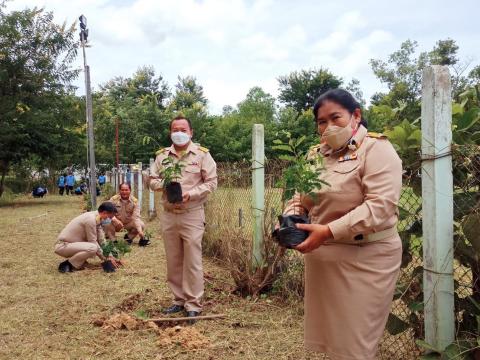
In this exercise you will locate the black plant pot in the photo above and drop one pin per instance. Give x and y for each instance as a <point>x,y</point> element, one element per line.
<point>288,235</point>
<point>108,266</point>
<point>174,192</point>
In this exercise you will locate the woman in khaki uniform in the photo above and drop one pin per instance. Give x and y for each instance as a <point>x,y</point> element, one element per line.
<point>353,251</point>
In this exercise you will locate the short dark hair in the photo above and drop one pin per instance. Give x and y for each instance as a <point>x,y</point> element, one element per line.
<point>180,117</point>
<point>341,97</point>
<point>126,184</point>
<point>107,206</point>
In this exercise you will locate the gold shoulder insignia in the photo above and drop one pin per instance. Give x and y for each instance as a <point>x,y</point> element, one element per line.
<point>115,197</point>
<point>313,151</point>
<point>376,135</point>
<point>135,200</point>
<point>204,149</point>
<point>160,151</point>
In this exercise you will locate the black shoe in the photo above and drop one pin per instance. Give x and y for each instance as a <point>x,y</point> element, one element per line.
<point>173,309</point>
<point>192,314</point>
<point>127,239</point>
<point>65,267</point>
<point>143,242</point>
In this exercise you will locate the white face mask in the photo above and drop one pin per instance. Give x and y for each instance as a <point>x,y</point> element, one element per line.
<point>180,138</point>
<point>106,221</point>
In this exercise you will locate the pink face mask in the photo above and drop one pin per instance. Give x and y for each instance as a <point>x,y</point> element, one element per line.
<point>338,137</point>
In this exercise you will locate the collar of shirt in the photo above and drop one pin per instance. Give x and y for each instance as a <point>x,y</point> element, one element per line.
<point>192,147</point>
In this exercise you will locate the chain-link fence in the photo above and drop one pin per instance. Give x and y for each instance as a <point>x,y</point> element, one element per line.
<point>230,219</point>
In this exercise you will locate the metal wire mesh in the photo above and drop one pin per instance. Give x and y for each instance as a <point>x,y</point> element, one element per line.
<point>230,218</point>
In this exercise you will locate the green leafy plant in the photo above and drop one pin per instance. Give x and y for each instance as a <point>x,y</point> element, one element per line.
<point>115,248</point>
<point>171,170</point>
<point>147,234</point>
<point>303,173</point>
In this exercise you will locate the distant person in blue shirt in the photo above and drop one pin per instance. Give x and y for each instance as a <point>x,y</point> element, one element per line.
<point>61,184</point>
<point>39,191</point>
<point>101,180</point>
<point>128,176</point>
<point>70,183</point>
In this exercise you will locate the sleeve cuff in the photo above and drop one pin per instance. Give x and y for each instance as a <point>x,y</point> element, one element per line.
<point>156,184</point>
<point>340,229</point>
<point>194,195</point>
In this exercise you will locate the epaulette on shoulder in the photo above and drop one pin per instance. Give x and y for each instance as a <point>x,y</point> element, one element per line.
<point>134,199</point>
<point>376,135</point>
<point>204,149</point>
<point>162,150</point>
<point>115,197</point>
<point>313,151</point>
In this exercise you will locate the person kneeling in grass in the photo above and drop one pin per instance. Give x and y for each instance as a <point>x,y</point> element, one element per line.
<point>127,217</point>
<point>81,239</point>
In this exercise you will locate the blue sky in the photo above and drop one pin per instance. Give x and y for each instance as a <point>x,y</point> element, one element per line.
<point>231,46</point>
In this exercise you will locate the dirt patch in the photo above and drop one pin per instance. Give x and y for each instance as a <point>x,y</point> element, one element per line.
<point>130,303</point>
<point>123,321</point>
<point>187,337</point>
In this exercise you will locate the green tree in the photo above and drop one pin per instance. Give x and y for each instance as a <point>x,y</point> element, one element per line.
<point>402,73</point>
<point>188,93</point>
<point>299,89</point>
<point>138,104</point>
<point>35,73</point>
<point>230,135</point>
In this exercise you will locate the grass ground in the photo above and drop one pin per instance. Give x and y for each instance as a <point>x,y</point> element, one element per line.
<point>48,315</point>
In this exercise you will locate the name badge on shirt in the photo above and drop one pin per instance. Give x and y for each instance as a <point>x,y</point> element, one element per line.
<point>347,157</point>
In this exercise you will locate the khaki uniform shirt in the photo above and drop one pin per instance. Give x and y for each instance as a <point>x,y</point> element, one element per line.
<point>199,175</point>
<point>365,182</point>
<point>127,210</point>
<point>85,227</point>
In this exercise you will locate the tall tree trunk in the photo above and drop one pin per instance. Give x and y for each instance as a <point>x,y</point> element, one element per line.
<point>3,172</point>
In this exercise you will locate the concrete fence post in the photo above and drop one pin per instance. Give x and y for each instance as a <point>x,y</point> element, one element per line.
<point>437,207</point>
<point>258,196</point>
<point>151,199</point>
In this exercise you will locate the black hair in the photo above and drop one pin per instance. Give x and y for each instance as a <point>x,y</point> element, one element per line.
<point>127,184</point>
<point>107,206</point>
<point>180,117</point>
<point>341,97</point>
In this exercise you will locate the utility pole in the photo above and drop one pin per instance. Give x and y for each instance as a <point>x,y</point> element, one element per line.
<point>89,111</point>
<point>116,145</point>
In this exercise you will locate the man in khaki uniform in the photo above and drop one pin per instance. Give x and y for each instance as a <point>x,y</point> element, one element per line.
<point>127,217</point>
<point>82,237</point>
<point>183,223</point>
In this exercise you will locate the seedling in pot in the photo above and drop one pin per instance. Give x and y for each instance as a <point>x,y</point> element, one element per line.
<point>115,248</point>
<point>171,173</point>
<point>302,176</point>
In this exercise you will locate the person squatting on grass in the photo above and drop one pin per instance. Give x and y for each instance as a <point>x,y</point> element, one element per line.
<point>127,217</point>
<point>82,237</point>
<point>183,223</point>
<point>353,251</point>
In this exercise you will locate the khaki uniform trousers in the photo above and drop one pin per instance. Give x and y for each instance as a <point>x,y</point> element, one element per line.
<point>131,228</point>
<point>76,252</point>
<point>182,237</point>
<point>348,295</point>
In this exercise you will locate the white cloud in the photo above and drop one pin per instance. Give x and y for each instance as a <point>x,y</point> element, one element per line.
<point>233,45</point>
